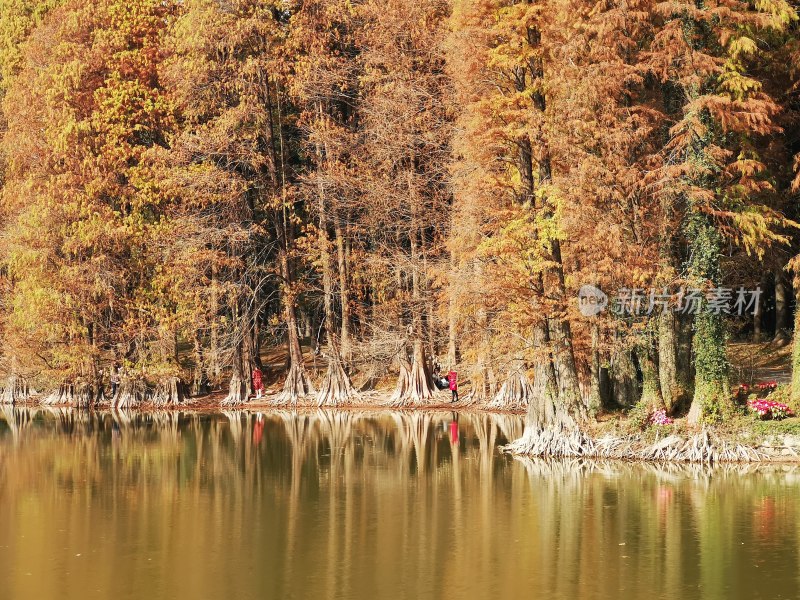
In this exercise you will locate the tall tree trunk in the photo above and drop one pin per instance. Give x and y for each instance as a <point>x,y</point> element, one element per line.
<point>239,387</point>
<point>336,387</point>
<point>623,372</point>
<point>712,399</point>
<point>758,326</point>
<point>415,384</point>
<point>484,386</point>
<point>215,367</point>
<point>89,390</point>
<point>298,384</point>
<point>563,353</point>
<point>344,294</point>
<point>325,259</point>
<point>255,342</point>
<point>671,390</point>
<point>782,309</point>
<point>170,390</point>
<point>199,379</point>
<point>16,389</point>
<point>516,391</point>
<point>796,344</point>
<point>452,318</point>
<point>550,426</point>
<point>652,397</point>
<point>596,403</point>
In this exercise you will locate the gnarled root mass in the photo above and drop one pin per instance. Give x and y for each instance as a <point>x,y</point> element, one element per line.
<point>336,388</point>
<point>297,386</point>
<point>89,395</point>
<point>16,390</point>
<point>555,441</point>
<point>131,392</point>
<point>76,395</point>
<point>414,385</point>
<point>63,395</point>
<point>515,393</point>
<point>170,392</point>
<point>238,392</point>
<point>701,448</point>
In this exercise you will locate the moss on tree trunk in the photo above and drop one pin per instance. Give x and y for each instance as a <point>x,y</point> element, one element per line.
<point>712,400</point>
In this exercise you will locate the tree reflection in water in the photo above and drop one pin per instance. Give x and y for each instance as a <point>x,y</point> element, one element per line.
<point>369,505</point>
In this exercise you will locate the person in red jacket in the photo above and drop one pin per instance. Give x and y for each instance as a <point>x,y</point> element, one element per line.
<point>452,378</point>
<point>258,385</point>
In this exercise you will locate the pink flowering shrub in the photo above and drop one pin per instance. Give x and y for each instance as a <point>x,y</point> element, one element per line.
<point>659,417</point>
<point>769,409</point>
<point>767,386</point>
<point>762,388</point>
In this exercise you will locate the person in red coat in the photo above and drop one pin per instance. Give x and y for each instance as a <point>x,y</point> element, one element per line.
<point>258,385</point>
<point>452,378</point>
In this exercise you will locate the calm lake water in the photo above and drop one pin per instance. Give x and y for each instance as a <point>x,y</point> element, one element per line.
<point>369,505</point>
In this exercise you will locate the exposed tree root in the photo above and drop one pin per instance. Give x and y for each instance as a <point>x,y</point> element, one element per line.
<point>515,393</point>
<point>169,392</point>
<point>131,393</point>
<point>298,385</point>
<point>336,388</point>
<point>77,396</point>
<point>414,384</point>
<point>16,390</point>
<point>701,448</point>
<point>554,441</point>
<point>88,395</point>
<point>64,395</point>
<point>403,384</point>
<point>238,392</point>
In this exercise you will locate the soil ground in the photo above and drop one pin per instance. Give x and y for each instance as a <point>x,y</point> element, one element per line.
<point>752,362</point>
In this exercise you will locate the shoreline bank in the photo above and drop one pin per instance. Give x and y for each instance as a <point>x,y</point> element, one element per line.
<point>604,440</point>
